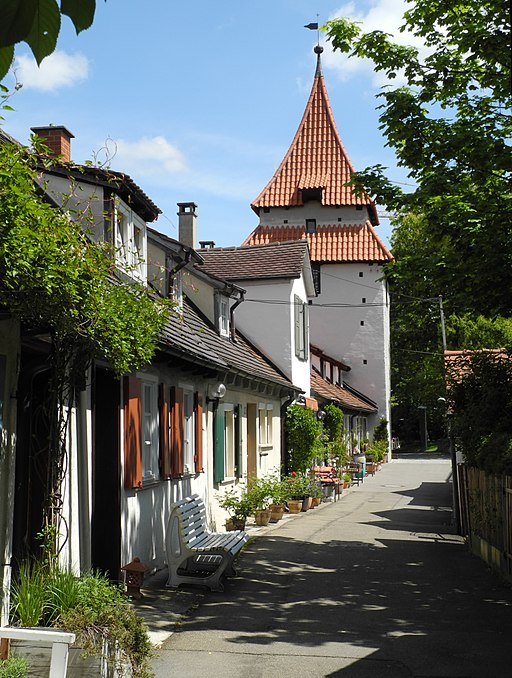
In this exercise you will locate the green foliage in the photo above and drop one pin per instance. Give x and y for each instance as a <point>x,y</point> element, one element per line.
<point>304,436</point>
<point>300,486</point>
<point>380,432</point>
<point>89,606</point>
<point>53,277</point>
<point>450,126</point>
<point>475,331</point>
<point>377,450</point>
<point>238,503</point>
<point>14,667</point>
<point>333,429</point>
<point>38,23</point>
<point>480,391</point>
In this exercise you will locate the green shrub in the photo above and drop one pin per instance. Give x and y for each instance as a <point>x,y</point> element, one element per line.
<point>304,437</point>
<point>89,606</point>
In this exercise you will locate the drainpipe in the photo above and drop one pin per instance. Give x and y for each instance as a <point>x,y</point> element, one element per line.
<point>232,315</point>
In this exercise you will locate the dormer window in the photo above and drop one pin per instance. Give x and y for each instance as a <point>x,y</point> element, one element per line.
<point>130,241</point>
<point>310,225</point>
<point>309,194</point>
<point>222,314</point>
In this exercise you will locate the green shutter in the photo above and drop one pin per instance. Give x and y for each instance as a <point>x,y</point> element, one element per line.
<point>238,441</point>
<point>306,331</point>
<point>296,310</point>
<point>218,443</point>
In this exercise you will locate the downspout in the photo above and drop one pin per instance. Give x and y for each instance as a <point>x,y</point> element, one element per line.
<point>232,315</point>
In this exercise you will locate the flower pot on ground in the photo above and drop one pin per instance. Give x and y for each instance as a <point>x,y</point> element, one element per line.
<point>306,503</point>
<point>233,524</point>
<point>239,504</point>
<point>294,505</point>
<point>347,481</point>
<point>315,501</point>
<point>276,512</point>
<point>262,517</point>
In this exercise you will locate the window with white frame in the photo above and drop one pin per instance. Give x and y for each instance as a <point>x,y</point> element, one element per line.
<point>301,316</point>
<point>222,311</point>
<point>229,440</point>
<point>130,241</point>
<point>265,424</point>
<point>188,431</point>
<point>150,470</point>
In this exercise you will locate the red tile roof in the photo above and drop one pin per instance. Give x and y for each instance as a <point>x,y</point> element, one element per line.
<point>275,260</point>
<point>315,159</point>
<point>340,395</point>
<point>336,243</point>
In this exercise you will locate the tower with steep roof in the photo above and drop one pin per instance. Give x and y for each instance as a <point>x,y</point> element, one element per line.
<point>309,198</point>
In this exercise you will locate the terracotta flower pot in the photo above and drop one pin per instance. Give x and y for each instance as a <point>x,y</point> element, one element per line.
<point>295,505</point>
<point>306,503</point>
<point>277,512</point>
<point>235,524</point>
<point>315,502</point>
<point>262,517</point>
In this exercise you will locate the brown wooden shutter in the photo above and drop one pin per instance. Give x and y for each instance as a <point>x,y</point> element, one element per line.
<point>132,432</point>
<point>177,434</point>
<point>164,397</point>
<point>198,437</point>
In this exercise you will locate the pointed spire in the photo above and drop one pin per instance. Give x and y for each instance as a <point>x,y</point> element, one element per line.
<point>316,159</point>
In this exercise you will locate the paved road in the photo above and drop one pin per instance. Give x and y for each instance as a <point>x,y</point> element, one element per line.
<point>374,585</point>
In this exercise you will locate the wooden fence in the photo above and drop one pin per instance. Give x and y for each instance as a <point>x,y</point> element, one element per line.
<point>486,516</point>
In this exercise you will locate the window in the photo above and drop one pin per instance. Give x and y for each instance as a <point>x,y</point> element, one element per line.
<point>315,270</point>
<point>149,431</point>
<point>265,424</point>
<point>222,313</point>
<point>163,427</point>
<point>310,225</point>
<point>129,241</point>
<point>227,441</point>
<point>188,431</point>
<point>301,329</point>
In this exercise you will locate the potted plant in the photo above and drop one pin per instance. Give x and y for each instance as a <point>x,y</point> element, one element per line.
<point>279,494</point>
<point>110,635</point>
<point>258,490</point>
<point>347,480</point>
<point>316,492</point>
<point>239,505</point>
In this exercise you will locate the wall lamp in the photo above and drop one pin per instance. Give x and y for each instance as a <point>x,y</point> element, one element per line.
<point>215,392</point>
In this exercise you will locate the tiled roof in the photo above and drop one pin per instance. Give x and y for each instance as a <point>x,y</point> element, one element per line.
<point>315,159</point>
<point>340,395</point>
<point>196,340</point>
<point>337,242</point>
<point>275,260</point>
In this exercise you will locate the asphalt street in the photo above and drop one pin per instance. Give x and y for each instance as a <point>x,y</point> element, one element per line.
<point>375,584</point>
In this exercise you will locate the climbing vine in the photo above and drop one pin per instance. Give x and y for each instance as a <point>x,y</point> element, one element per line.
<point>55,280</point>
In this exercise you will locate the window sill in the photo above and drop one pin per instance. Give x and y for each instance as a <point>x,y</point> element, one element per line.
<point>228,481</point>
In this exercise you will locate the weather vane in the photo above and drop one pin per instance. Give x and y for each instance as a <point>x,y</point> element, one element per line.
<point>314,26</point>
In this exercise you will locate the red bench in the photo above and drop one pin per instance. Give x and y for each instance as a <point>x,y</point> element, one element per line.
<point>328,477</point>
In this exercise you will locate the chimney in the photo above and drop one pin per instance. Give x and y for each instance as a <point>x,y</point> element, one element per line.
<point>58,140</point>
<point>187,223</point>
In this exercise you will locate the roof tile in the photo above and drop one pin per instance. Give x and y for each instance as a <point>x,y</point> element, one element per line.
<point>330,243</point>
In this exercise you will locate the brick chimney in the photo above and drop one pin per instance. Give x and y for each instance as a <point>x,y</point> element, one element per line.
<point>187,223</point>
<point>57,138</point>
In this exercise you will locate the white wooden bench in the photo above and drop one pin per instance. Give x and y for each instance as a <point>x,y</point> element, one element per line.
<point>60,641</point>
<point>195,555</point>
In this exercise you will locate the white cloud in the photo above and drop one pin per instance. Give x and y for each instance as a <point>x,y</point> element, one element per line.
<point>147,157</point>
<point>383,15</point>
<point>56,71</point>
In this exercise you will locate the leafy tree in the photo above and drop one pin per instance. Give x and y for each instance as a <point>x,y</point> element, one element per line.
<point>304,437</point>
<point>450,126</point>
<point>480,391</point>
<point>38,22</point>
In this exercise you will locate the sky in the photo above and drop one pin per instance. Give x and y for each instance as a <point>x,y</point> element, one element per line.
<point>200,100</point>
